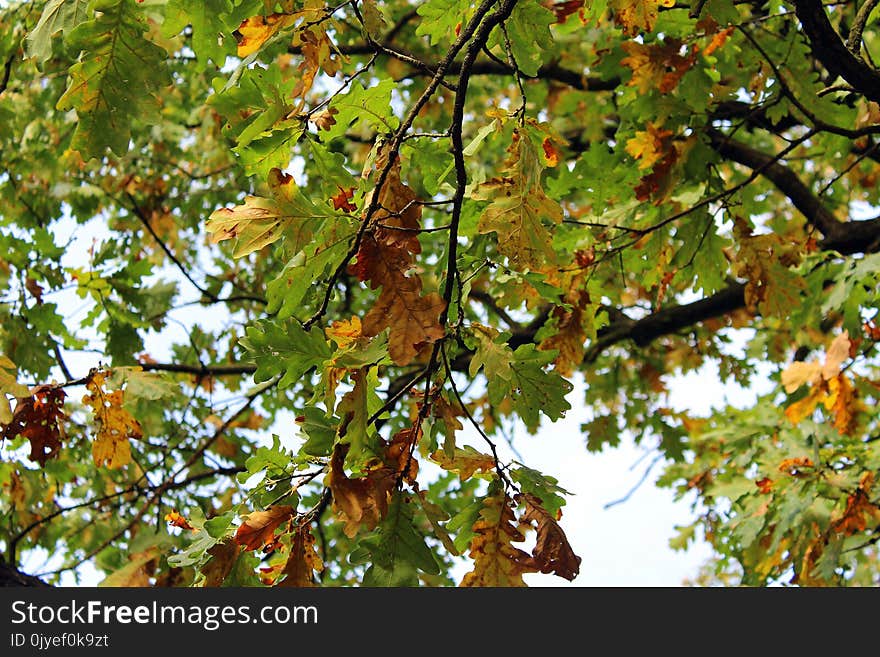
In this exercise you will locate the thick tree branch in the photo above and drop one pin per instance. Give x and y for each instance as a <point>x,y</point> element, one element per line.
<point>846,238</point>
<point>668,320</point>
<point>830,49</point>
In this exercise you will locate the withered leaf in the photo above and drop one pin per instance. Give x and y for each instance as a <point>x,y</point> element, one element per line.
<point>223,557</point>
<point>39,418</point>
<point>552,552</point>
<point>116,426</point>
<point>303,561</point>
<point>361,501</point>
<point>258,528</point>
<point>496,561</point>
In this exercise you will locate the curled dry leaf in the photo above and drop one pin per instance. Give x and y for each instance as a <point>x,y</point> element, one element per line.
<point>258,528</point>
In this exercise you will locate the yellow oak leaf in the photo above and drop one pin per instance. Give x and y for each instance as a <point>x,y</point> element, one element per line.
<point>345,332</point>
<point>466,461</point>
<point>256,30</point>
<point>804,407</point>
<point>843,403</point>
<point>657,65</point>
<point>519,207</point>
<point>650,145</point>
<point>637,16</point>
<point>261,221</point>
<point>116,426</point>
<point>497,562</point>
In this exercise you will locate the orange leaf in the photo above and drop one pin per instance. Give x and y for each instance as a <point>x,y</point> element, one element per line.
<point>552,552</point>
<point>176,520</point>
<point>341,200</point>
<point>794,466</point>
<point>258,528</point>
<point>551,155</point>
<point>764,485</point>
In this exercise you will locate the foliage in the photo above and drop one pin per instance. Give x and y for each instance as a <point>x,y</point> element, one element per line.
<point>411,226</point>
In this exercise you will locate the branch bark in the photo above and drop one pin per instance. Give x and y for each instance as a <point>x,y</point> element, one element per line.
<point>845,237</point>
<point>830,49</point>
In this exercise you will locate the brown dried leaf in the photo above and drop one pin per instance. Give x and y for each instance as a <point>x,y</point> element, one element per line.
<point>552,552</point>
<point>385,259</point>
<point>39,418</point>
<point>258,528</point>
<point>223,558</point>
<point>303,561</point>
<point>362,501</point>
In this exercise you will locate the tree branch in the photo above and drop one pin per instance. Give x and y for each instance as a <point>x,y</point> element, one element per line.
<point>830,49</point>
<point>846,238</point>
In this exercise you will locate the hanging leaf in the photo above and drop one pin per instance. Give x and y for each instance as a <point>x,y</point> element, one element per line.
<point>116,426</point>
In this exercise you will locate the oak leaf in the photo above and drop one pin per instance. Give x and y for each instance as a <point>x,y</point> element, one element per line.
<point>842,400</point>
<point>466,461</point>
<point>39,418</point>
<point>174,519</point>
<point>836,354</point>
<point>657,65</point>
<point>361,501</point>
<point>261,221</point>
<point>258,528</point>
<point>223,558</point>
<point>552,552</point>
<point>519,207</point>
<point>637,16</point>
<point>116,426</point>
<point>497,562</point>
<point>650,145</point>
<point>385,259</point>
<point>257,30</point>
<point>799,373</point>
<point>303,561</point>
<point>860,510</point>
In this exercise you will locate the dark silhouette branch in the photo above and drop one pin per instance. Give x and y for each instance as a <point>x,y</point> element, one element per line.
<point>830,49</point>
<point>846,238</point>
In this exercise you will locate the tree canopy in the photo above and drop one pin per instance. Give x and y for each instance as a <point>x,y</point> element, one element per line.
<point>338,250</point>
